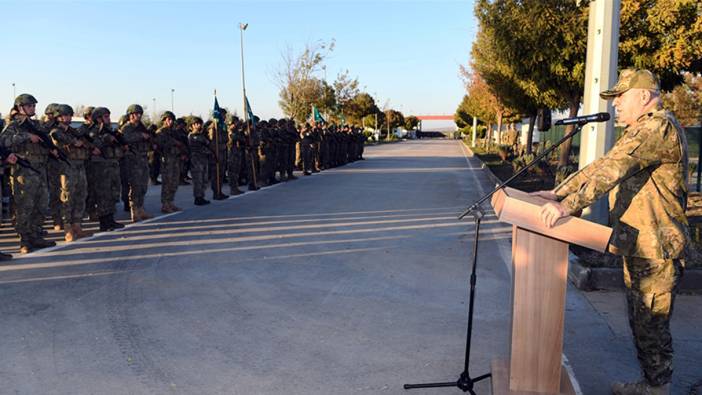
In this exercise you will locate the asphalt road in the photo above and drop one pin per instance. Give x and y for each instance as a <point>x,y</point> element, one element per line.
<point>353,280</point>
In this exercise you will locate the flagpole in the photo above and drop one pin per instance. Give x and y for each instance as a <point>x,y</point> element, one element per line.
<point>217,165</point>
<point>242,27</point>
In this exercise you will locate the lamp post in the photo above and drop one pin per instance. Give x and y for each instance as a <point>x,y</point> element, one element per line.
<point>242,27</point>
<point>172,99</point>
<point>14,91</point>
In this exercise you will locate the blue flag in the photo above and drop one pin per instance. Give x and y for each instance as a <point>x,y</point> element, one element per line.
<point>217,113</point>
<point>249,113</point>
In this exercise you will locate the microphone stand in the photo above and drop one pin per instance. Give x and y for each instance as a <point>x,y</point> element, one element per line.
<point>465,382</point>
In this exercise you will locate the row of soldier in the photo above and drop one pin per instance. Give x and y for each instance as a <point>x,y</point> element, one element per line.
<point>86,171</point>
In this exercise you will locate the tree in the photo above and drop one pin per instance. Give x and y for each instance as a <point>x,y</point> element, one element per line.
<point>345,89</point>
<point>548,56</point>
<point>360,106</point>
<point>664,36</point>
<point>411,122</point>
<point>685,100</point>
<point>300,86</point>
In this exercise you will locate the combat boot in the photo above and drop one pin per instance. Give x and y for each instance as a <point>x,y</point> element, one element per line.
<point>70,235</point>
<point>5,257</point>
<point>80,233</point>
<point>112,223</point>
<point>291,177</point>
<point>105,226</point>
<point>201,201</point>
<point>143,214</point>
<point>235,191</point>
<point>166,208</point>
<point>640,388</point>
<point>174,208</point>
<point>40,242</point>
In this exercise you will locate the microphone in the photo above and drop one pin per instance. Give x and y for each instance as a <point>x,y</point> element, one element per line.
<point>583,119</point>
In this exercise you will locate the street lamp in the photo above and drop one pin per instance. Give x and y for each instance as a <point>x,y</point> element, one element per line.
<point>14,91</point>
<point>153,109</point>
<point>172,95</point>
<point>242,27</point>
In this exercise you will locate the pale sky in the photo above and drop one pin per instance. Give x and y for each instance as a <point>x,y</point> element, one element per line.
<point>113,53</point>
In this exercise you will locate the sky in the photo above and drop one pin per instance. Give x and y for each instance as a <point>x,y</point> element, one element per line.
<point>114,53</point>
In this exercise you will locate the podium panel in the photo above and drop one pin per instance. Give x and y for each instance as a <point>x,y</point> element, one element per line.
<point>539,283</point>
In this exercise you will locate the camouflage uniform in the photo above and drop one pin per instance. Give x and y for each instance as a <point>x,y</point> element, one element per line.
<point>645,174</point>
<point>137,165</point>
<point>292,138</point>
<point>53,170</point>
<point>199,160</point>
<point>171,150</point>
<point>218,162</point>
<point>29,190</point>
<point>234,156</point>
<point>106,184</point>
<point>74,185</point>
<point>306,151</point>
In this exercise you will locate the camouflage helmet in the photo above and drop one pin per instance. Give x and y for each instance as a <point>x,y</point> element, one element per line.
<point>25,99</point>
<point>181,121</point>
<point>88,111</point>
<point>51,109</point>
<point>273,121</point>
<point>168,114</point>
<point>262,124</point>
<point>99,112</point>
<point>135,108</point>
<point>64,109</point>
<point>194,119</point>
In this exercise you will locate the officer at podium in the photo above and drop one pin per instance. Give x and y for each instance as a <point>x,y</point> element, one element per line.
<point>645,174</point>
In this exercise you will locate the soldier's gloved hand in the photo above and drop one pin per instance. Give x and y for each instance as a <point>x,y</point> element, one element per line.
<point>552,212</point>
<point>34,138</point>
<point>11,159</point>
<point>96,151</point>
<point>549,195</point>
<point>78,143</point>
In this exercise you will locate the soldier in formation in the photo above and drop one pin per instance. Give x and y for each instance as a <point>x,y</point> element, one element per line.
<point>74,172</point>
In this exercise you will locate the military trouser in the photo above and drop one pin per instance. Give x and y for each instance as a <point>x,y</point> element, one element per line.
<point>30,197</point>
<point>267,158</point>
<point>124,179</point>
<point>74,190</point>
<point>90,202</point>
<point>199,172</point>
<point>107,186</point>
<point>650,292</point>
<point>316,159</point>
<point>154,158</point>
<point>137,177</point>
<point>234,168</point>
<point>217,172</point>
<point>306,152</point>
<point>170,177</point>
<point>53,174</point>
<point>253,165</point>
<point>290,164</point>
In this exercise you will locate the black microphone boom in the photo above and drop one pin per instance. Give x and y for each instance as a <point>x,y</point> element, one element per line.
<point>583,119</point>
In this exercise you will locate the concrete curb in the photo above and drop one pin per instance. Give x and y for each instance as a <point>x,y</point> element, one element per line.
<point>605,278</point>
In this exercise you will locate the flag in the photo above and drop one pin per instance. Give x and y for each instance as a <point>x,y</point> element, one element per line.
<point>217,113</point>
<point>316,116</point>
<point>249,113</point>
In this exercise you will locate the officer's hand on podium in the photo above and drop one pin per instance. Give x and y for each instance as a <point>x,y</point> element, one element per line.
<point>549,195</point>
<point>552,212</point>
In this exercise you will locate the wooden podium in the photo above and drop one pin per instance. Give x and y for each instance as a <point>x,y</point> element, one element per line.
<point>539,281</point>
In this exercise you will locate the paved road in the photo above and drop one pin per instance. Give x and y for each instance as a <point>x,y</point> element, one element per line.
<point>351,281</point>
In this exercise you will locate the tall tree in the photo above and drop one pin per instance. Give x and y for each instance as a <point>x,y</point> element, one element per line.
<point>360,106</point>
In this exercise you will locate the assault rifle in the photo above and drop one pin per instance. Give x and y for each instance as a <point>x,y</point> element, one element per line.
<point>4,153</point>
<point>49,144</point>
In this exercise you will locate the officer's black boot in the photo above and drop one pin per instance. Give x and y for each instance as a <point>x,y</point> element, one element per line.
<point>114,224</point>
<point>104,226</point>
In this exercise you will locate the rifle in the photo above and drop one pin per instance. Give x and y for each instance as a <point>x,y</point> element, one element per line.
<point>49,144</point>
<point>4,153</point>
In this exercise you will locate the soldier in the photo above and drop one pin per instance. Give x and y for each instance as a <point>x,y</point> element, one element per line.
<point>181,129</point>
<point>105,168</point>
<point>171,150</point>
<point>647,168</point>
<point>306,149</point>
<point>200,153</point>
<point>74,187</point>
<point>29,190</point>
<point>292,137</point>
<point>53,171</point>
<point>154,156</point>
<point>136,160</point>
<point>253,141</point>
<point>235,138</point>
<point>218,162</point>
<point>84,130</point>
